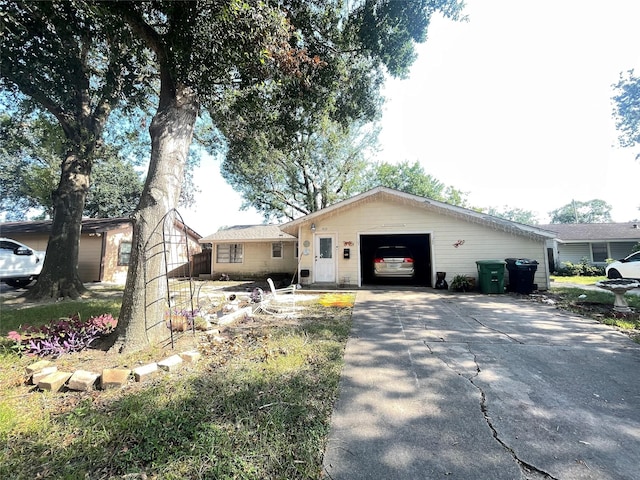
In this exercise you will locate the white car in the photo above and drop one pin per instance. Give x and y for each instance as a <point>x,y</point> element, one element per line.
<point>19,264</point>
<point>628,267</point>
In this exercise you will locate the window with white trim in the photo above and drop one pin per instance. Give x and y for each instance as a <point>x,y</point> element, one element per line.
<point>229,253</point>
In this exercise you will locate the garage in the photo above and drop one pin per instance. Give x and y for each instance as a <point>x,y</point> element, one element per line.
<point>418,243</point>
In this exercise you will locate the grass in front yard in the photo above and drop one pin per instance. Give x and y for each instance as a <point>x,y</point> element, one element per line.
<point>12,317</point>
<point>598,305</point>
<point>256,407</point>
<point>577,280</point>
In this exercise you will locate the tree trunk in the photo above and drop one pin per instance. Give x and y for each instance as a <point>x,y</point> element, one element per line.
<point>59,277</point>
<point>144,304</point>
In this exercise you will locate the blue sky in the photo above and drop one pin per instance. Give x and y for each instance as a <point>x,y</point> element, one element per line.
<point>513,107</point>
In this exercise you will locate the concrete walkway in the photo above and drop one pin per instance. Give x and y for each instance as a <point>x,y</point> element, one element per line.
<point>479,387</point>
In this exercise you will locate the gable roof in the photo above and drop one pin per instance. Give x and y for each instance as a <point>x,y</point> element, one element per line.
<point>249,233</point>
<point>427,204</point>
<point>583,232</point>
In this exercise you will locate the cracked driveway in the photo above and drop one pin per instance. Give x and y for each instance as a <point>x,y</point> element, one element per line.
<point>442,386</point>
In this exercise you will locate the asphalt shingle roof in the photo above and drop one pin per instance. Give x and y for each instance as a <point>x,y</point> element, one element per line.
<point>594,231</point>
<point>249,233</point>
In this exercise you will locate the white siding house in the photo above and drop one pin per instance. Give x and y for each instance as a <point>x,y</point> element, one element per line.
<point>336,245</point>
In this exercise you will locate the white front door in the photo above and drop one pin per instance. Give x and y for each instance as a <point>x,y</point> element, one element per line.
<point>325,270</point>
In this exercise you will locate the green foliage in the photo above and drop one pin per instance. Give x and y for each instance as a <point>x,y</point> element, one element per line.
<point>636,248</point>
<point>411,178</point>
<point>288,139</point>
<point>31,147</point>
<point>582,269</point>
<point>31,159</point>
<point>627,109</point>
<point>592,211</point>
<point>322,166</point>
<point>115,189</point>
<point>460,283</point>
<point>519,215</point>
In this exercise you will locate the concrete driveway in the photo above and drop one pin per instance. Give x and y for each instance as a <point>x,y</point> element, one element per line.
<point>479,387</point>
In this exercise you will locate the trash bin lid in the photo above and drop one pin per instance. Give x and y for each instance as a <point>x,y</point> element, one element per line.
<point>521,261</point>
<point>490,262</point>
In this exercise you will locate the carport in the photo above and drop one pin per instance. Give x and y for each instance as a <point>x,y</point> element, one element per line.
<point>418,243</point>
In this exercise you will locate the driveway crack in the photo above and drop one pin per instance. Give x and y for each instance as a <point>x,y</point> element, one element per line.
<point>527,468</point>
<point>496,330</point>
<point>530,472</point>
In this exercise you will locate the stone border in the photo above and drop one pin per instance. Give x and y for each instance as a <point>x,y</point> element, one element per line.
<point>46,376</point>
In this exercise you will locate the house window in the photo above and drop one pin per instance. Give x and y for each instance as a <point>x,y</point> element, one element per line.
<point>229,253</point>
<point>276,250</point>
<point>599,252</point>
<point>124,253</point>
<point>296,252</point>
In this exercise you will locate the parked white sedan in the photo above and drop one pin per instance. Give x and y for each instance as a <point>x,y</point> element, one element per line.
<point>19,264</point>
<point>628,267</point>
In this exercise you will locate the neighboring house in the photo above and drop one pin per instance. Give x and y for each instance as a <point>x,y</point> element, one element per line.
<point>105,245</point>
<point>594,241</point>
<point>337,243</point>
<point>252,251</point>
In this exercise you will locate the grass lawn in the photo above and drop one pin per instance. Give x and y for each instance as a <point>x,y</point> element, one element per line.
<point>576,280</point>
<point>257,406</point>
<point>595,303</point>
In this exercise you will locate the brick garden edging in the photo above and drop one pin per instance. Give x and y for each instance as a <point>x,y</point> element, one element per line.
<point>46,376</point>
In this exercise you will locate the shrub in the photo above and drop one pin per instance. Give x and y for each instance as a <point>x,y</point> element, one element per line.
<point>66,335</point>
<point>582,269</point>
<point>460,283</point>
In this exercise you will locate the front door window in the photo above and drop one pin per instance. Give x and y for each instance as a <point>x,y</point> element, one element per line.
<point>325,270</point>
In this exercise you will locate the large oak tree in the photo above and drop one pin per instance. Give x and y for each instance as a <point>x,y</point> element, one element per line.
<point>274,61</point>
<point>78,69</point>
<point>295,56</point>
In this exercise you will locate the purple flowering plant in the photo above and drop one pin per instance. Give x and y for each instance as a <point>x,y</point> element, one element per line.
<point>65,335</point>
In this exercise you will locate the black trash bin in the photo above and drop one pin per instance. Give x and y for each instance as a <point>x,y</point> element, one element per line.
<point>521,273</point>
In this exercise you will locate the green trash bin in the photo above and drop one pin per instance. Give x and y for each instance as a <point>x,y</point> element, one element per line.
<point>491,275</point>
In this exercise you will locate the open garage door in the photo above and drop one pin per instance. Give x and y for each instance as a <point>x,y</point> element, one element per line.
<point>418,243</point>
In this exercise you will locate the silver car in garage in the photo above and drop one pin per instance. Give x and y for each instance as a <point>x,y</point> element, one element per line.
<point>393,261</point>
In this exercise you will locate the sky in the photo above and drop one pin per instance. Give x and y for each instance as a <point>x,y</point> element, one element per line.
<point>512,106</point>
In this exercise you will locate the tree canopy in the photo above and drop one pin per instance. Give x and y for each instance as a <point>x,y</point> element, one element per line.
<point>412,178</point>
<point>76,68</point>
<point>320,167</point>
<point>514,214</point>
<point>32,145</point>
<point>627,109</point>
<point>591,211</point>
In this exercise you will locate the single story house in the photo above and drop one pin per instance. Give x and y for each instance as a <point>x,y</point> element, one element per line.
<point>336,245</point>
<point>252,251</point>
<point>105,245</point>
<point>595,242</point>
